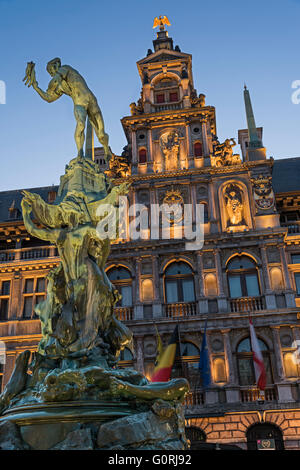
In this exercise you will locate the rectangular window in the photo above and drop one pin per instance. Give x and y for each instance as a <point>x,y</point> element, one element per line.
<point>126,293</point>
<point>235,287</point>
<point>295,258</point>
<point>28,286</point>
<point>4,309</point>
<point>160,98</point>
<point>172,292</point>
<point>27,309</point>
<point>174,96</point>
<point>252,285</point>
<point>5,289</point>
<point>40,284</point>
<point>297,281</point>
<point>188,290</point>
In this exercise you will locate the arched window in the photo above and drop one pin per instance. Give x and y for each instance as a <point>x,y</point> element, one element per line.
<point>195,435</point>
<point>142,155</point>
<point>242,277</point>
<point>179,283</point>
<point>121,278</point>
<point>186,363</point>
<point>126,358</point>
<point>245,362</point>
<point>198,152</point>
<point>264,436</point>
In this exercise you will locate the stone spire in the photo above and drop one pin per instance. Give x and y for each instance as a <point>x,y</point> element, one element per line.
<point>254,140</point>
<point>256,150</point>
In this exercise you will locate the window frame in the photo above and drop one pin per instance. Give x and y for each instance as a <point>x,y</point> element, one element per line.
<point>34,295</point>
<point>6,298</point>
<point>178,280</point>
<point>242,273</point>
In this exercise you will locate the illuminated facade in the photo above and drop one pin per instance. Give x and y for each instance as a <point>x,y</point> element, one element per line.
<point>250,260</point>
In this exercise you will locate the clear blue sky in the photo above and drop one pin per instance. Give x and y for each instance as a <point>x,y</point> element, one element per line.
<point>231,42</point>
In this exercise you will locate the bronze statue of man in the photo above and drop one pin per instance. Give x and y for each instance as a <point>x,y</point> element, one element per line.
<point>66,80</point>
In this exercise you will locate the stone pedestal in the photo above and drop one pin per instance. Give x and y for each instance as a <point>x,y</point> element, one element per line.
<point>93,425</point>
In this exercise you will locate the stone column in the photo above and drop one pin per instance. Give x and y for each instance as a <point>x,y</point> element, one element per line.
<point>134,152</point>
<point>189,144</point>
<point>150,150</point>
<point>222,301</point>
<point>157,301</point>
<point>277,352</point>
<point>269,295</point>
<point>202,303</point>
<point>265,269</point>
<point>138,308</point>
<point>286,273</point>
<point>211,394</point>
<point>228,356</point>
<point>140,354</point>
<point>232,388</point>
<point>203,120</point>
<point>289,294</point>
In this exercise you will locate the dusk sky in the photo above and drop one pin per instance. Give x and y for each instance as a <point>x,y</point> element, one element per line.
<point>232,43</point>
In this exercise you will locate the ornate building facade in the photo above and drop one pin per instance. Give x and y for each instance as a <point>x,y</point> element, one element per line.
<point>250,260</point>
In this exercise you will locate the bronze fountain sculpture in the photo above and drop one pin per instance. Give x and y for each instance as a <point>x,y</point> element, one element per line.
<point>73,384</point>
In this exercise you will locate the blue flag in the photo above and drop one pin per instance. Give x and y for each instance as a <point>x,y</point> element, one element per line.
<point>204,365</point>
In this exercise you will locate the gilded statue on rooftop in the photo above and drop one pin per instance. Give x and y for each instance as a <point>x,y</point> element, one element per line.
<point>66,80</point>
<point>223,154</point>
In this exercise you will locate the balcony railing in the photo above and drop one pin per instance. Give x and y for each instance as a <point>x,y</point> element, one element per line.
<point>293,227</point>
<point>195,398</point>
<point>180,309</point>
<point>124,313</point>
<point>27,254</point>
<point>246,304</point>
<point>167,106</point>
<point>254,394</point>
<point>6,256</point>
<point>35,253</point>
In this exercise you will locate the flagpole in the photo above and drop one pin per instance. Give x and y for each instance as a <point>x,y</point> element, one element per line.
<point>261,392</point>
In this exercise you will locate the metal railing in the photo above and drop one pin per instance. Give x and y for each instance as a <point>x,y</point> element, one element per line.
<point>246,304</point>
<point>254,394</point>
<point>180,309</point>
<point>124,313</point>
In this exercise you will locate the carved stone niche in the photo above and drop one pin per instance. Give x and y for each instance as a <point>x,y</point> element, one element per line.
<point>208,260</point>
<point>235,208</point>
<point>169,146</point>
<point>273,254</point>
<point>217,344</point>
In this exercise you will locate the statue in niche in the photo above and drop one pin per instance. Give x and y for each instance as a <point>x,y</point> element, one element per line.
<point>169,144</point>
<point>223,153</point>
<point>234,205</point>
